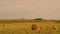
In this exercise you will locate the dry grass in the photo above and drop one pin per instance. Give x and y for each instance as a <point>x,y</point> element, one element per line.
<point>25,28</point>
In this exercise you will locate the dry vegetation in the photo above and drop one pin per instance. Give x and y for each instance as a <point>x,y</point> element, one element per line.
<point>24,27</point>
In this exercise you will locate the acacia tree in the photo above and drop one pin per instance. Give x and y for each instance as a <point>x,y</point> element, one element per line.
<point>38,19</point>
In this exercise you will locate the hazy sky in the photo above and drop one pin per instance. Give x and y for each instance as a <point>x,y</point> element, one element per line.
<point>47,9</point>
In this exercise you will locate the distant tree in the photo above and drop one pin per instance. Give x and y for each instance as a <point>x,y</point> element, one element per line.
<point>38,19</point>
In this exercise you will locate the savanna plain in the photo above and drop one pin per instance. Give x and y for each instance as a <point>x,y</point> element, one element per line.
<point>25,28</point>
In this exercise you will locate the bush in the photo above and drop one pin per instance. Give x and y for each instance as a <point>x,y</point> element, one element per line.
<point>58,21</point>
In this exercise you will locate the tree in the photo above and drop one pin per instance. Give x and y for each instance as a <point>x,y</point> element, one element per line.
<point>38,19</point>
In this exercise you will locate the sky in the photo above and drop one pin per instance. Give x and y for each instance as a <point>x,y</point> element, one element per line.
<point>47,9</point>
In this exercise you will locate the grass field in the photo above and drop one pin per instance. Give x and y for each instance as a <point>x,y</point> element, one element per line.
<point>25,28</point>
